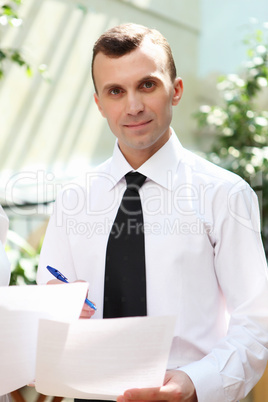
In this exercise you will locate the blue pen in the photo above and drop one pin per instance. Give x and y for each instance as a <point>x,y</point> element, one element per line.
<point>58,275</point>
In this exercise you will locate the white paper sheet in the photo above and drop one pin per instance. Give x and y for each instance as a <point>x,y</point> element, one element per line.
<point>100,359</point>
<point>21,307</point>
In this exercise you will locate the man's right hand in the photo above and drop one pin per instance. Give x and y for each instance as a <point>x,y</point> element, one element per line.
<point>87,312</point>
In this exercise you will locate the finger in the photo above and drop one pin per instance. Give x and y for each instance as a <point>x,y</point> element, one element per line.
<point>151,394</point>
<point>144,394</point>
<point>55,282</point>
<point>86,315</point>
<point>87,312</point>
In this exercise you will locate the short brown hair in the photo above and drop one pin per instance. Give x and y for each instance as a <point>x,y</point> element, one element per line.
<point>125,38</point>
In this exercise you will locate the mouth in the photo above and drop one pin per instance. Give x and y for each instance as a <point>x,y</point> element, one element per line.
<point>138,125</point>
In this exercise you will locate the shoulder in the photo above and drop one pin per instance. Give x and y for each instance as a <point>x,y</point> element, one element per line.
<point>219,188</point>
<point>74,192</point>
<point>205,171</point>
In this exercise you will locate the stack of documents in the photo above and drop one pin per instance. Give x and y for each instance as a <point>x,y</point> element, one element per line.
<point>42,339</point>
<point>21,308</point>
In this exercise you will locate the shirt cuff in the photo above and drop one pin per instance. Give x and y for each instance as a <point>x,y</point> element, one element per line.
<point>207,381</point>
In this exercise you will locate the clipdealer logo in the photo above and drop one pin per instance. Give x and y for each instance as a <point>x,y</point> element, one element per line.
<point>166,227</point>
<point>43,187</point>
<point>186,199</point>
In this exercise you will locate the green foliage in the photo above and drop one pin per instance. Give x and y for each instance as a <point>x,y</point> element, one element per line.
<point>9,17</point>
<point>24,260</point>
<point>9,12</point>
<point>238,127</point>
<point>15,57</point>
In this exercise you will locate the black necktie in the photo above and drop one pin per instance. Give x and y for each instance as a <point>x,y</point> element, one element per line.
<point>125,284</point>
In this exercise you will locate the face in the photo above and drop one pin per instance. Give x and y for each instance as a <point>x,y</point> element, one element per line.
<point>135,94</point>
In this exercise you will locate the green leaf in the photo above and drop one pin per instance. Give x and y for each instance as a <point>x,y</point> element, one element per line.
<point>2,55</point>
<point>82,8</point>
<point>29,71</point>
<point>250,53</point>
<point>9,11</point>
<point>17,58</point>
<point>259,35</point>
<point>19,241</point>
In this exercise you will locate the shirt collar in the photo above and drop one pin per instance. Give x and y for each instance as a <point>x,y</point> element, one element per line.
<point>119,166</point>
<point>160,168</point>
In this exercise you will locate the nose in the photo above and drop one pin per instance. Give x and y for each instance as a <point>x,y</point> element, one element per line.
<point>134,104</point>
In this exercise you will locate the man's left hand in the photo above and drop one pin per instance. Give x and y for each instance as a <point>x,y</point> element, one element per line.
<point>178,387</point>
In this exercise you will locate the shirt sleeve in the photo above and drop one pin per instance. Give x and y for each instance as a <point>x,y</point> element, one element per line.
<point>237,362</point>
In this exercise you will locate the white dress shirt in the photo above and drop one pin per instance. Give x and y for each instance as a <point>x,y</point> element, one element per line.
<point>204,257</point>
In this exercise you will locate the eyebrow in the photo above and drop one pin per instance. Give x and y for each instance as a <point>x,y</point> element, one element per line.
<point>110,86</point>
<point>150,77</point>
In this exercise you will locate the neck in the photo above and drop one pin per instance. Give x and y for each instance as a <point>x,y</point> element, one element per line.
<point>136,161</point>
<point>138,156</point>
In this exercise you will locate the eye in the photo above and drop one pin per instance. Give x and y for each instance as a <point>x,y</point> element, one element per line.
<point>148,85</point>
<point>115,91</point>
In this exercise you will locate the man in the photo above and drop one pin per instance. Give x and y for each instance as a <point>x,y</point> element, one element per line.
<point>203,252</point>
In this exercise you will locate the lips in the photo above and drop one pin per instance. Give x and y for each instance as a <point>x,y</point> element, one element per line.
<point>138,124</point>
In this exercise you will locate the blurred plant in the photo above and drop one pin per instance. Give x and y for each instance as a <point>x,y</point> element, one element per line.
<point>23,258</point>
<point>238,127</point>
<point>9,17</point>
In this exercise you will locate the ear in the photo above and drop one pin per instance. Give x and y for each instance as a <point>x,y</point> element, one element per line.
<point>178,91</point>
<point>98,103</point>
